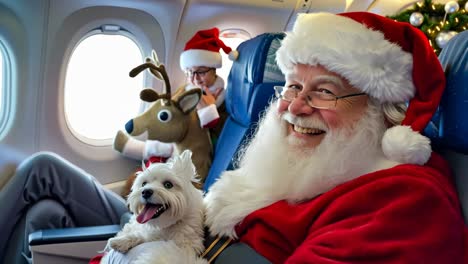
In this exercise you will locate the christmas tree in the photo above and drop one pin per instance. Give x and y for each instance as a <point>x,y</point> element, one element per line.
<point>439,22</point>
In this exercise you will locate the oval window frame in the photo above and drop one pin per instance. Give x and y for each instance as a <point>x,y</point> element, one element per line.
<point>108,29</point>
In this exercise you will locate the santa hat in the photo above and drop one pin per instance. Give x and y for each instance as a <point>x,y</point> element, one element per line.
<point>203,50</point>
<point>388,60</point>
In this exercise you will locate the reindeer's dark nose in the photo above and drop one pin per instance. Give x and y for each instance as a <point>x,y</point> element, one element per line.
<point>129,126</point>
<point>146,193</point>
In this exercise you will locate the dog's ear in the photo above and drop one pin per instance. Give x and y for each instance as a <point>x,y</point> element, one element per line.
<point>134,197</point>
<point>184,166</point>
<point>186,155</point>
<point>143,165</point>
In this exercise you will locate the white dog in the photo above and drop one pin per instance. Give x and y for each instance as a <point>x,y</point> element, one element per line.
<point>167,226</point>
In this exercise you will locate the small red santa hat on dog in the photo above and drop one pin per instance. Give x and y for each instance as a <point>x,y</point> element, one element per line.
<point>388,60</point>
<point>203,50</point>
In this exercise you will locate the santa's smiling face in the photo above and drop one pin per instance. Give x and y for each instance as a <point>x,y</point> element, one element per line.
<point>300,151</point>
<point>312,114</point>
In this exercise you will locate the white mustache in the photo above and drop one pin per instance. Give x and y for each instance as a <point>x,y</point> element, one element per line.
<point>306,122</point>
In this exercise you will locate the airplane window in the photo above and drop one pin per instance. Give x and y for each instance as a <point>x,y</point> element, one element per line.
<point>232,38</point>
<point>5,100</point>
<point>1,79</point>
<point>100,97</point>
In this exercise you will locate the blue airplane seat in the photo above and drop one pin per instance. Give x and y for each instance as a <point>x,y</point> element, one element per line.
<point>449,132</point>
<point>249,89</point>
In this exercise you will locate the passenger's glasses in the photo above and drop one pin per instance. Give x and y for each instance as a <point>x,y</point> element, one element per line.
<point>198,73</point>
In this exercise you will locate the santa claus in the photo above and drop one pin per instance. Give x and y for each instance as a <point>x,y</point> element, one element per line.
<point>338,171</point>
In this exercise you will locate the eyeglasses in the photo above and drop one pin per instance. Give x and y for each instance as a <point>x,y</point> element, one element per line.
<point>199,73</point>
<point>315,99</point>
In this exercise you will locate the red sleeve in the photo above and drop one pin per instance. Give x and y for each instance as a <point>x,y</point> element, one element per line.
<point>208,116</point>
<point>398,219</point>
<point>212,124</point>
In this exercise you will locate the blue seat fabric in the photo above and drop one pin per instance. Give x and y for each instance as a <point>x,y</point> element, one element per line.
<point>247,95</point>
<point>449,127</point>
<point>453,109</point>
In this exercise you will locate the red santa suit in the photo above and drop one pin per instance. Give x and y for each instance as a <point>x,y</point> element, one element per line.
<point>405,214</point>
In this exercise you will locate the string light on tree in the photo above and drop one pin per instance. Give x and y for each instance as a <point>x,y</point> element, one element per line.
<point>439,22</point>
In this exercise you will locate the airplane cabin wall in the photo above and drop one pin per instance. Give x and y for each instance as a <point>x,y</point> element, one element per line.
<point>23,27</point>
<point>41,36</point>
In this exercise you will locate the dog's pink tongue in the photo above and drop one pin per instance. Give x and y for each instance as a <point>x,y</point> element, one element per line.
<point>147,213</point>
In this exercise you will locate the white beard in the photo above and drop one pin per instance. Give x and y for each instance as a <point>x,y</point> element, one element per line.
<point>275,166</point>
<point>286,170</point>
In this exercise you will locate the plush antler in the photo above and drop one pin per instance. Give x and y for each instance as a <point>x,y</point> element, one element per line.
<point>160,69</point>
<point>156,62</point>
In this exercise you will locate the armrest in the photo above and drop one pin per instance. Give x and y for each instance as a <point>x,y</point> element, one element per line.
<point>75,234</point>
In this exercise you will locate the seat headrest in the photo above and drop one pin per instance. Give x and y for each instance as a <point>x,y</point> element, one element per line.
<point>256,65</point>
<point>449,128</point>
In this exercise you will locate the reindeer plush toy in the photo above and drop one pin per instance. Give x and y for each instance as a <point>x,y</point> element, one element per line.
<point>168,120</point>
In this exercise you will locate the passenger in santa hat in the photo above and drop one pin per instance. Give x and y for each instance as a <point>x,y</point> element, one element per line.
<point>199,60</point>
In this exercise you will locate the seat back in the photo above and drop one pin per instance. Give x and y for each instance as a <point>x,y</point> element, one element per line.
<point>449,128</point>
<point>249,89</point>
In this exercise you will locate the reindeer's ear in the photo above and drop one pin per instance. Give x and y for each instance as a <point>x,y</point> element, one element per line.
<point>188,100</point>
<point>149,95</point>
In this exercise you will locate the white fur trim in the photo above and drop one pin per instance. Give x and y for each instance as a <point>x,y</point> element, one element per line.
<point>134,149</point>
<point>158,149</point>
<point>199,57</point>
<point>402,144</point>
<point>207,114</point>
<point>230,199</point>
<point>363,56</point>
<point>233,55</point>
